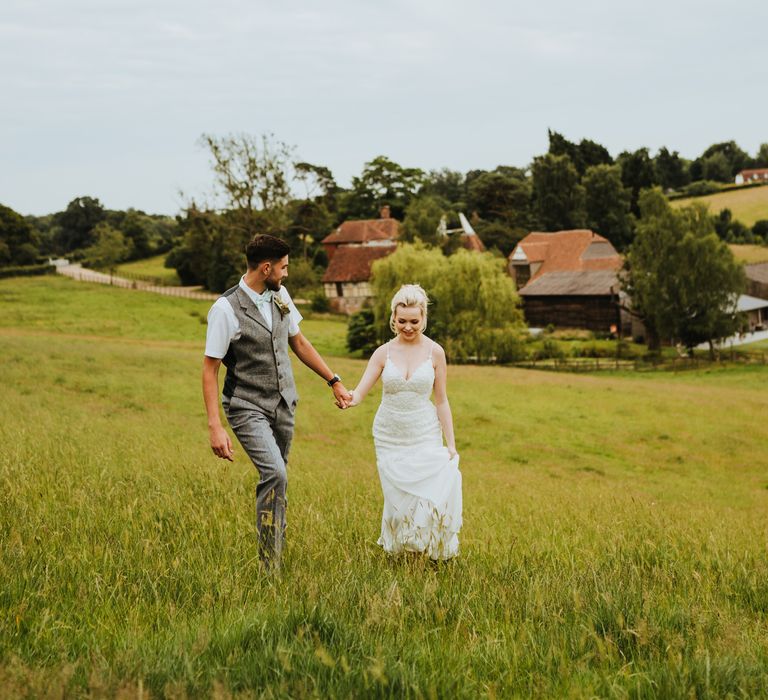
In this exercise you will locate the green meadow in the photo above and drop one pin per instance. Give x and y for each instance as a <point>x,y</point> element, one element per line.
<point>152,268</point>
<point>747,205</point>
<point>614,541</point>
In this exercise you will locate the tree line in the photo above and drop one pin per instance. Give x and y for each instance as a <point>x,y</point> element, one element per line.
<point>84,231</point>
<point>261,185</point>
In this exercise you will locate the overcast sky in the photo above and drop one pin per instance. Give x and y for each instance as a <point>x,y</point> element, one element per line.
<point>109,98</point>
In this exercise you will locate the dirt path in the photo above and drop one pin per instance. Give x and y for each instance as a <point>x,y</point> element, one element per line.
<point>82,274</point>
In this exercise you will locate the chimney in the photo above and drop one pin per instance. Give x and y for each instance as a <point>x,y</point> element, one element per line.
<point>384,212</point>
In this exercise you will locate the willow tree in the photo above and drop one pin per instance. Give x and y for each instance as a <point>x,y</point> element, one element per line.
<point>474,311</point>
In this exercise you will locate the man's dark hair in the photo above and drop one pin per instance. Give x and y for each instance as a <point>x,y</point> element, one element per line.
<point>264,247</point>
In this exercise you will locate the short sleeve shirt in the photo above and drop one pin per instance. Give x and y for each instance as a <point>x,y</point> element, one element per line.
<point>223,326</point>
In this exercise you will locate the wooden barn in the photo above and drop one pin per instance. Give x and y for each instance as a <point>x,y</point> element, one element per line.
<point>757,279</point>
<point>568,279</point>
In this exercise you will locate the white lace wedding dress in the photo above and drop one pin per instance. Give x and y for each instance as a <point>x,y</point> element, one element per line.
<point>421,483</point>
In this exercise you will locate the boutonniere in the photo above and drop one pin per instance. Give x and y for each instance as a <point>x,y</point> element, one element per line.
<point>281,305</point>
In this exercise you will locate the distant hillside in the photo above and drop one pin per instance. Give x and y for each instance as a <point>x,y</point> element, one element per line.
<point>749,253</point>
<point>747,205</point>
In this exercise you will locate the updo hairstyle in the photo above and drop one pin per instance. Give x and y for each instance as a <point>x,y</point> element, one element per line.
<point>409,295</point>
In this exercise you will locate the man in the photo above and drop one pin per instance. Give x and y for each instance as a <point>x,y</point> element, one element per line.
<point>249,329</point>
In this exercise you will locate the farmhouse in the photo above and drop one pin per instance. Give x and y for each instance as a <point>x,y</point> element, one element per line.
<point>352,248</point>
<point>754,175</point>
<point>568,279</point>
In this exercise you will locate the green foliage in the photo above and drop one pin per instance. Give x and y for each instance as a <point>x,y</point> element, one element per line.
<point>583,155</point>
<point>726,159</point>
<point>303,277</point>
<point>637,173</point>
<point>500,202</point>
<point>550,349</point>
<point>558,197</point>
<point>19,242</point>
<point>110,247</point>
<point>26,270</point>
<point>74,225</point>
<point>608,204</point>
<point>760,229</point>
<point>382,182</point>
<point>251,172</point>
<point>681,279</point>
<point>310,222</point>
<point>474,310</point>
<point>716,167</point>
<point>700,188</point>
<point>361,332</point>
<point>422,219</point>
<point>672,171</point>
<point>449,185</point>
<point>319,303</point>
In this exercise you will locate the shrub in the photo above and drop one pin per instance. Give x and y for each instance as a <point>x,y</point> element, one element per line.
<point>361,332</point>
<point>550,349</point>
<point>26,270</point>
<point>319,303</point>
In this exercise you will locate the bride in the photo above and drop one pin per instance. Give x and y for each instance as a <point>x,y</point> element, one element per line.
<point>419,476</point>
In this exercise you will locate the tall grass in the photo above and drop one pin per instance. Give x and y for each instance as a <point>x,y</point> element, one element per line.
<point>614,540</point>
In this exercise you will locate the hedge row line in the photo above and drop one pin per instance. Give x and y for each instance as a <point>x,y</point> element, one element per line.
<point>26,270</point>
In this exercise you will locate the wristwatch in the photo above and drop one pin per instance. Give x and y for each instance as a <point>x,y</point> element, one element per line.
<point>335,378</point>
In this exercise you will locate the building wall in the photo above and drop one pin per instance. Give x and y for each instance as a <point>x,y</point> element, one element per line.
<point>354,295</point>
<point>594,313</point>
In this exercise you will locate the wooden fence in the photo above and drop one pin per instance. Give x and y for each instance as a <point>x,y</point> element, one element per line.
<point>674,364</point>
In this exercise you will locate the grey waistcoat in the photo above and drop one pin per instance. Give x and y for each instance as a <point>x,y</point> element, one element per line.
<point>258,368</point>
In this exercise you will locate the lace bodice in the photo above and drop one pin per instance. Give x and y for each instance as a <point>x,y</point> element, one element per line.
<point>402,393</point>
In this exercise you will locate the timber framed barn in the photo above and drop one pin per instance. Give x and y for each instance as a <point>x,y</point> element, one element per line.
<point>568,279</point>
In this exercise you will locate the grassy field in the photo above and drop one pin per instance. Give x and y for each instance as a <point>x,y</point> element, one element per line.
<point>151,268</point>
<point>750,253</point>
<point>747,205</point>
<point>614,541</point>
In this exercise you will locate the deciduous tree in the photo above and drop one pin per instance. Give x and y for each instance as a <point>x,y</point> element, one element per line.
<point>682,281</point>
<point>558,197</point>
<point>608,203</point>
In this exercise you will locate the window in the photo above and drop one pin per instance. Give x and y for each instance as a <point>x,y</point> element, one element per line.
<point>339,289</point>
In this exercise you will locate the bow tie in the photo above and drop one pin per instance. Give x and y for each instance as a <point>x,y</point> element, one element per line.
<point>264,298</point>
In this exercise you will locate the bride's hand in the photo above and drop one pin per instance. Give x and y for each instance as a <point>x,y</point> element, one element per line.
<point>355,399</point>
<point>452,452</point>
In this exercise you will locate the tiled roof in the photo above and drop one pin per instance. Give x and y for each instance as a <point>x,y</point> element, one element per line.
<point>352,263</point>
<point>573,283</point>
<point>472,242</point>
<point>569,250</point>
<point>757,272</point>
<point>365,230</point>
<point>754,171</point>
<point>568,260</point>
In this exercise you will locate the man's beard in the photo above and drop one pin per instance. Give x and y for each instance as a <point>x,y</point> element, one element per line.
<point>274,286</point>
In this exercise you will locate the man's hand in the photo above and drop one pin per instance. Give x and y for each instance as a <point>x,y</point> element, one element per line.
<point>220,443</point>
<point>342,396</point>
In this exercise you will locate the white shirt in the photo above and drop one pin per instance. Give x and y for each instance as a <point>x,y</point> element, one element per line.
<point>223,326</point>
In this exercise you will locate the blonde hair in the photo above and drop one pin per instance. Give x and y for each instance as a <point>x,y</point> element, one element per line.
<point>409,295</point>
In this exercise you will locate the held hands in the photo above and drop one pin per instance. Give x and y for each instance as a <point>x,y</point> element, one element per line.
<point>341,395</point>
<point>220,443</point>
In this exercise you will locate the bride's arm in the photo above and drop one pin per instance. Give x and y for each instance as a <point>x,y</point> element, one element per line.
<point>370,376</point>
<point>441,399</point>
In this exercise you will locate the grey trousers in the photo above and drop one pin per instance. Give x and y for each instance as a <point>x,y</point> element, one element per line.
<point>266,438</point>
